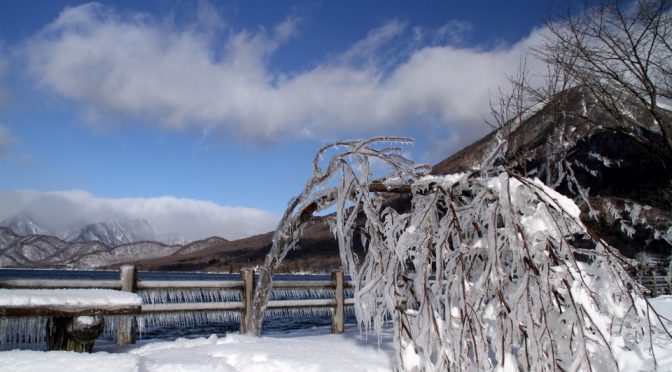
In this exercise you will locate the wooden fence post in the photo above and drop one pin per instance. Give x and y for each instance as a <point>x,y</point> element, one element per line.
<point>247,275</point>
<point>654,290</point>
<point>126,331</point>
<point>337,319</point>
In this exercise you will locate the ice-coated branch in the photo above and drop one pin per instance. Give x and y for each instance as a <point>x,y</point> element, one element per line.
<point>352,164</point>
<point>492,270</point>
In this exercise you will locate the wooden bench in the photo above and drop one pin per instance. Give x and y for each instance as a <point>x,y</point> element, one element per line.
<point>75,315</point>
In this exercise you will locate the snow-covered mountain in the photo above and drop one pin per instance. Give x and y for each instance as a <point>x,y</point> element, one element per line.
<point>117,232</point>
<point>111,233</point>
<point>23,224</point>
<point>49,251</point>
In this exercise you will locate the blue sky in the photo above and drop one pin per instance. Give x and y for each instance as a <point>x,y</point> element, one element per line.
<point>143,109</point>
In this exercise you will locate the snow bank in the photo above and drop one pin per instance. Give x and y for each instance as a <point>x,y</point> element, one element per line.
<point>78,297</point>
<point>244,353</point>
<point>60,361</point>
<point>292,353</point>
<point>663,305</point>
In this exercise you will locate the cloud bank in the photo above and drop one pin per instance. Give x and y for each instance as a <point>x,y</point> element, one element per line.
<point>193,219</point>
<point>135,65</point>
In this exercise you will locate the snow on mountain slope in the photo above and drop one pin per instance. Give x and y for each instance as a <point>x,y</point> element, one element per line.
<point>91,246</point>
<point>23,224</point>
<point>112,233</point>
<point>115,232</point>
<point>49,251</point>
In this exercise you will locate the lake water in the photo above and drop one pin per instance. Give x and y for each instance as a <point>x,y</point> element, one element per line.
<point>194,326</point>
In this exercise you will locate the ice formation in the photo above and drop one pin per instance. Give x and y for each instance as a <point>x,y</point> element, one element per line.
<point>487,270</point>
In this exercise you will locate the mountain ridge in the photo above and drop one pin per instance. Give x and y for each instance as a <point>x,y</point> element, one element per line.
<point>45,251</point>
<point>113,232</point>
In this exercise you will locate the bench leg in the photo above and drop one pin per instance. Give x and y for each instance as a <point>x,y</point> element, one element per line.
<point>74,333</point>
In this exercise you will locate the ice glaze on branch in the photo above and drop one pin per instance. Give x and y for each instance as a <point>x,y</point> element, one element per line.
<point>353,159</point>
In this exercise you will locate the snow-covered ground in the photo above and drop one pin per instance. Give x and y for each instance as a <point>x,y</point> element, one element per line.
<point>313,350</point>
<point>307,350</point>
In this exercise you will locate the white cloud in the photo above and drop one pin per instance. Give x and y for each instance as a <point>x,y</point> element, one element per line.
<point>135,65</point>
<point>194,219</point>
<point>454,32</point>
<point>369,49</point>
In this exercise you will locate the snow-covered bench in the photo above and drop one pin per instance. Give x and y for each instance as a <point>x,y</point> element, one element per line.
<point>75,314</point>
<point>67,302</point>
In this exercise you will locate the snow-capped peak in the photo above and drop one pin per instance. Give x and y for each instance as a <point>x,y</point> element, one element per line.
<point>24,224</point>
<point>119,231</point>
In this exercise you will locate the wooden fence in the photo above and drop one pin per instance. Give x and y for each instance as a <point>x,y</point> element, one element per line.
<point>128,282</point>
<point>656,282</point>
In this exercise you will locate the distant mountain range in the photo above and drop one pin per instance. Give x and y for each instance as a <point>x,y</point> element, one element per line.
<point>24,244</point>
<point>45,251</point>
<point>111,233</point>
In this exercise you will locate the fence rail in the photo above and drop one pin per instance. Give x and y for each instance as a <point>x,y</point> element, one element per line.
<point>128,282</point>
<point>656,284</point>
<point>60,283</point>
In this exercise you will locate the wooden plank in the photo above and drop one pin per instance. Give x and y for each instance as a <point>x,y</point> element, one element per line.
<point>63,310</point>
<point>200,306</point>
<point>160,284</point>
<point>69,310</point>
<point>247,275</point>
<point>338,317</point>
<point>128,276</point>
<point>377,186</point>
<point>60,283</point>
<point>127,327</point>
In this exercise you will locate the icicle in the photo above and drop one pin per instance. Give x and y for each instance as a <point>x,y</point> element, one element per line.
<point>185,319</point>
<point>301,293</point>
<point>176,295</point>
<point>298,312</point>
<point>111,326</point>
<point>24,332</point>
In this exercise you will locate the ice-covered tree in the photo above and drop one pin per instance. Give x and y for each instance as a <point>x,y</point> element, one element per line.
<point>621,51</point>
<point>485,270</point>
<point>349,171</point>
<point>605,87</point>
